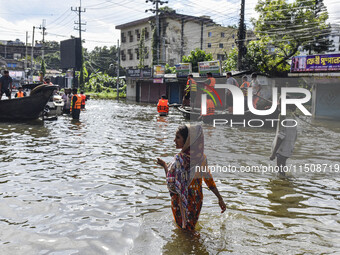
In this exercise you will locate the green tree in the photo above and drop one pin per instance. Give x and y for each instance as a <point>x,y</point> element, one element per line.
<point>43,68</point>
<point>230,63</point>
<point>141,49</point>
<point>102,59</point>
<point>195,57</point>
<point>154,47</point>
<point>283,28</point>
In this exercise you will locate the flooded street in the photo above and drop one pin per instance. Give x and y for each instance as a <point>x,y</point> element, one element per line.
<point>92,187</point>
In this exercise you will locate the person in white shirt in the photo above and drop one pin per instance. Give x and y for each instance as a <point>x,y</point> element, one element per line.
<point>285,138</point>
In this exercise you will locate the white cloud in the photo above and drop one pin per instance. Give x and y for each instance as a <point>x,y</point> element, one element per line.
<point>101,16</point>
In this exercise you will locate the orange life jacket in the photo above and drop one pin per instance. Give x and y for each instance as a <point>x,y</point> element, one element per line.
<point>162,106</point>
<point>77,105</point>
<point>244,87</point>
<point>20,94</point>
<point>211,85</point>
<point>210,107</point>
<point>83,98</point>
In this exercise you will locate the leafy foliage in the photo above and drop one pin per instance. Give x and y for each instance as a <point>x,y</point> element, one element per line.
<point>283,28</point>
<point>170,69</point>
<point>99,82</point>
<point>231,62</point>
<point>102,59</point>
<point>141,49</point>
<point>196,56</point>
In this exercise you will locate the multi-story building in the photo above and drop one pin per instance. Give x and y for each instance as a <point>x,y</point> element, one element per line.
<point>179,35</point>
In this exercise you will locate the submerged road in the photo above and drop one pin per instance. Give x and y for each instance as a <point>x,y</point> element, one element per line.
<point>92,187</point>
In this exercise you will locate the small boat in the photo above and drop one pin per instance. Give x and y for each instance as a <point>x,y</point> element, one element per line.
<point>54,106</point>
<point>188,113</point>
<point>27,108</point>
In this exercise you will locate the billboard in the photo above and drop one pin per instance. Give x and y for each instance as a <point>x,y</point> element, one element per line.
<point>315,63</point>
<point>213,67</point>
<point>158,71</point>
<point>70,54</point>
<point>183,69</point>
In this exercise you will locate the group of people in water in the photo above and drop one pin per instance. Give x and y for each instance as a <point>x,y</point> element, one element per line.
<point>73,102</point>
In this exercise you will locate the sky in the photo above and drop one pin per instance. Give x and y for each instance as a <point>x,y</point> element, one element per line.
<point>101,17</point>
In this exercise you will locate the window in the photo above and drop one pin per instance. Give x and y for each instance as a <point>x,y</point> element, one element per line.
<point>137,53</point>
<point>130,54</point>
<point>138,34</point>
<point>209,45</point>
<point>130,36</point>
<point>146,53</point>
<point>221,45</point>
<point>222,34</point>
<point>123,56</point>
<point>221,57</point>
<point>146,33</point>
<point>233,36</point>
<point>209,34</point>
<point>123,38</point>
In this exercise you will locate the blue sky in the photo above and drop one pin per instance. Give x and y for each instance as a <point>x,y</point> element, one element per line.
<point>101,16</point>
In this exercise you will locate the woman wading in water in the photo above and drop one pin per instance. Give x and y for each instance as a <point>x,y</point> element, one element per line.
<point>184,182</point>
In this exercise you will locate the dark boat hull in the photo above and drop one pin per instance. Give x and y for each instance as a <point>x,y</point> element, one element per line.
<point>26,108</point>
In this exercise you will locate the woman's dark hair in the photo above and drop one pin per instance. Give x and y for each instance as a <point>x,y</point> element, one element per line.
<point>184,131</point>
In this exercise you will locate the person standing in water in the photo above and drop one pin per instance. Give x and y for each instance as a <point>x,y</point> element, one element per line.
<point>184,181</point>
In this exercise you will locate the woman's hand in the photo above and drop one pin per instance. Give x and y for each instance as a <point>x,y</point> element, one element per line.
<point>162,163</point>
<point>222,205</point>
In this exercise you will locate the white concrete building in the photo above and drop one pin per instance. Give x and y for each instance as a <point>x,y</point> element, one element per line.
<point>179,35</point>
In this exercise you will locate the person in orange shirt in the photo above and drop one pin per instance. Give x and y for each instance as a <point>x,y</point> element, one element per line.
<point>75,104</point>
<point>48,81</point>
<point>210,82</point>
<point>20,93</point>
<point>163,106</point>
<point>83,99</point>
<point>245,85</point>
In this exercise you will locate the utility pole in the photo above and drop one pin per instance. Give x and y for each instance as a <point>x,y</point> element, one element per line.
<point>118,65</point>
<point>43,28</point>
<point>32,53</point>
<point>79,11</point>
<point>26,56</point>
<point>156,11</point>
<point>241,38</point>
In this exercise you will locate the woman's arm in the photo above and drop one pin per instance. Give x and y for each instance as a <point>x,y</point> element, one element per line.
<point>208,179</point>
<point>220,199</point>
<point>163,164</point>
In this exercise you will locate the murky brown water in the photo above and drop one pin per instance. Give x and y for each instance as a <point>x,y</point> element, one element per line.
<point>92,187</point>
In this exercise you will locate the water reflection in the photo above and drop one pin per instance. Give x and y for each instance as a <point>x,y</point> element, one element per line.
<point>184,242</point>
<point>92,187</point>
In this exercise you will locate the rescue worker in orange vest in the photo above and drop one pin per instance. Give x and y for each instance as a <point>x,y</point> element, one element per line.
<point>83,99</point>
<point>244,87</point>
<point>210,82</point>
<point>210,107</point>
<point>48,81</point>
<point>75,104</point>
<point>20,93</point>
<point>163,106</point>
<point>191,90</point>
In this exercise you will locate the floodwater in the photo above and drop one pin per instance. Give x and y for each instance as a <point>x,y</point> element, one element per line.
<point>92,187</point>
